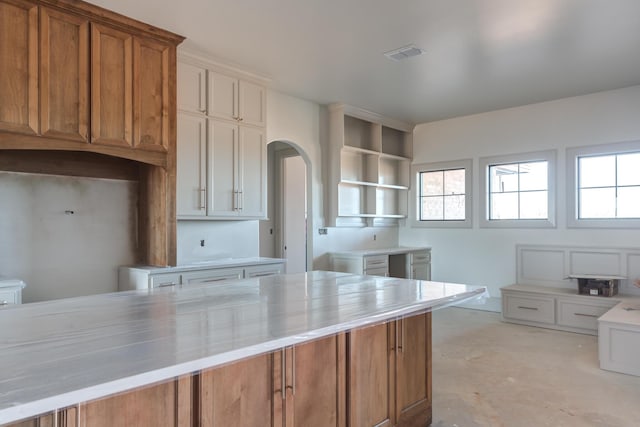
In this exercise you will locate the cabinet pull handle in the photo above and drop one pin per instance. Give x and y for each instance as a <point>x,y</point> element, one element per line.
<point>527,308</point>
<point>166,285</point>
<point>218,279</point>
<point>270,273</point>
<point>235,200</point>
<point>4,302</point>
<point>283,389</point>
<point>584,315</point>
<point>240,119</point>
<point>240,201</point>
<point>203,202</point>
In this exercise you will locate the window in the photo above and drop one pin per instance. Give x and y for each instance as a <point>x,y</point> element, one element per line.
<point>518,190</point>
<point>604,185</point>
<point>442,194</point>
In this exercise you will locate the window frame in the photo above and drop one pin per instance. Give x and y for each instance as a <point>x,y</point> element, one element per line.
<point>485,162</point>
<point>416,169</point>
<point>572,184</point>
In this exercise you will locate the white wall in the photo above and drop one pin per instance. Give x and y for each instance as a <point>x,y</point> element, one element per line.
<point>222,239</point>
<point>487,256</point>
<point>304,124</point>
<point>61,254</point>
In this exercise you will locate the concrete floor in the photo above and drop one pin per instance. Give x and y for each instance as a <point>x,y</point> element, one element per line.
<point>489,373</point>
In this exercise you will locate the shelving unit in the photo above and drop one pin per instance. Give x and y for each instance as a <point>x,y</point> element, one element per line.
<point>368,166</point>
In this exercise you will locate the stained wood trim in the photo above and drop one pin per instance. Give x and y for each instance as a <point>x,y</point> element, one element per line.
<point>108,17</point>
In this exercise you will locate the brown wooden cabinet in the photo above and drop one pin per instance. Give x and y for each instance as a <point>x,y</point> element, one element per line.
<point>111,86</point>
<point>18,66</point>
<point>64,75</point>
<point>389,373</point>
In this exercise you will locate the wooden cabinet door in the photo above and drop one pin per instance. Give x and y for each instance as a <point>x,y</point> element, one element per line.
<point>64,75</point>
<point>315,383</point>
<point>238,394</point>
<point>223,96</point>
<point>252,104</point>
<point>151,67</point>
<point>252,172</point>
<point>156,405</point>
<point>413,375</point>
<point>192,88</point>
<point>111,86</point>
<point>371,380</point>
<point>191,165</point>
<point>222,188</point>
<point>18,66</point>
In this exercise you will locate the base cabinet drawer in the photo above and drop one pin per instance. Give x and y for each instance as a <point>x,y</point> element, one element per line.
<point>10,296</point>
<point>163,280</point>
<point>577,315</point>
<point>530,308</point>
<point>208,276</point>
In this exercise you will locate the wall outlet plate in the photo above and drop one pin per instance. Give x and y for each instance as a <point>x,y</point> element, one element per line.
<point>322,231</point>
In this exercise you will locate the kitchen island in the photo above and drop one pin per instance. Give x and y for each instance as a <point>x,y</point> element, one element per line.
<point>318,348</point>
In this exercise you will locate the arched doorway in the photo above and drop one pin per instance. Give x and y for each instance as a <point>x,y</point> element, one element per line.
<point>286,234</point>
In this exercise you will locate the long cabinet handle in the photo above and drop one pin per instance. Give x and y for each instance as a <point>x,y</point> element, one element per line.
<point>203,199</point>
<point>4,302</point>
<point>528,308</point>
<point>240,200</point>
<point>283,388</point>
<point>585,315</point>
<point>167,284</point>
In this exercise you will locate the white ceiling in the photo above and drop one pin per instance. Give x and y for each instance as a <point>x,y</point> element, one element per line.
<point>481,55</point>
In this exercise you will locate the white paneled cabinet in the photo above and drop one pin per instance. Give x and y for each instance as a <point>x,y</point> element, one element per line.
<point>191,165</point>
<point>221,144</point>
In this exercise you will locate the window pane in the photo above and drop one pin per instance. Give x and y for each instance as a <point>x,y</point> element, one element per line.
<point>504,206</point>
<point>454,207</point>
<point>454,181</point>
<point>629,202</point>
<point>533,176</point>
<point>597,203</point>
<point>533,205</point>
<point>503,178</point>
<point>432,209</point>
<point>599,171</point>
<point>629,169</point>
<point>432,183</point>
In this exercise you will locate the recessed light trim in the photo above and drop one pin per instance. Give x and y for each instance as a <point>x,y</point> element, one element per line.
<point>404,52</point>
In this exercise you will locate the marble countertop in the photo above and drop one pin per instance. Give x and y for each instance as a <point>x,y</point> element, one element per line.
<point>381,251</point>
<point>214,263</point>
<point>58,353</point>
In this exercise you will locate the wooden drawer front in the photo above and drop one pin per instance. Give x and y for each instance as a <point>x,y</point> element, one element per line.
<point>163,280</point>
<point>420,257</point>
<point>578,315</point>
<point>376,261</point>
<point>530,308</point>
<point>9,296</point>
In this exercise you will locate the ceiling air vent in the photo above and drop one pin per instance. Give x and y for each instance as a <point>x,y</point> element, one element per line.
<point>404,52</point>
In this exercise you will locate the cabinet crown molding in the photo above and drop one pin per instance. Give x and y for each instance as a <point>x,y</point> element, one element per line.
<point>189,56</point>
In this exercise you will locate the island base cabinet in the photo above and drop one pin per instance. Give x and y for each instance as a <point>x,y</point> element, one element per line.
<point>314,384</point>
<point>389,374</point>
<point>238,394</point>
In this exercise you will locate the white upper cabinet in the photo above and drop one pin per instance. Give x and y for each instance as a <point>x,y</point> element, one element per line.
<point>192,88</point>
<point>221,143</point>
<point>191,165</point>
<point>234,99</point>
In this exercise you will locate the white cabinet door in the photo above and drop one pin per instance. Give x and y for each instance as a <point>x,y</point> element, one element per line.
<point>223,96</point>
<point>252,173</point>
<point>191,166</point>
<point>192,93</point>
<point>263,270</point>
<point>421,271</point>
<point>252,104</point>
<point>223,193</point>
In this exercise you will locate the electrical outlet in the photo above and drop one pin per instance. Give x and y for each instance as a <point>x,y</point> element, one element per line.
<point>375,237</point>
<point>202,243</point>
<point>322,231</point>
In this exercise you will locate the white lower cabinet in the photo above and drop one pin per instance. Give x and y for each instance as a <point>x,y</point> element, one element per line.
<point>149,278</point>
<point>209,276</point>
<point>406,263</point>
<point>554,308</point>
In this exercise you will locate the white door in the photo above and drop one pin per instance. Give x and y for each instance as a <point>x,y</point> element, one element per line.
<point>294,214</point>
<point>191,166</point>
<point>252,173</point>
<point>223,174</point>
